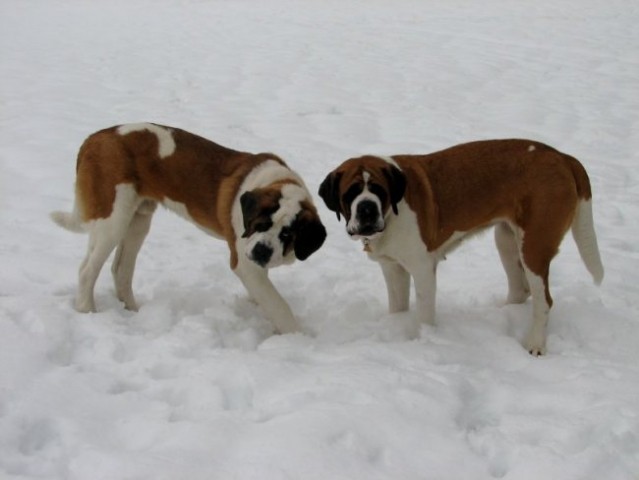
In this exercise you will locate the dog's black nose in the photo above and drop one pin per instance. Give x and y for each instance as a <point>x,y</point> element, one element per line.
<point>367,212</point>
<point>261,254</point>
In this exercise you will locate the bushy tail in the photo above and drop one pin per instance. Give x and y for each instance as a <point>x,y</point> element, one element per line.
<point>583,229</point>
<point>69,220</point>
<point>583,232</point>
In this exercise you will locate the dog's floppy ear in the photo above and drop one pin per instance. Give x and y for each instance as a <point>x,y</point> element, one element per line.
<point>248,202</point>
<point>329,191</point>
<point>309,236</point>
<point>396,185</point>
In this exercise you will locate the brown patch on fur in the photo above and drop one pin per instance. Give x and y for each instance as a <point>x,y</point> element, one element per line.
<point>285,181</point>
<point>257,207</point>
<point>309,208</point>
<point>469,186</point>
<point>204,176</point>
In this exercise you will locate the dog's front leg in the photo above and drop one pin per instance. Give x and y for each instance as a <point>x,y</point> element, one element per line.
<point>261,289</point>
<point>425,276</point>
<point>397,284</point>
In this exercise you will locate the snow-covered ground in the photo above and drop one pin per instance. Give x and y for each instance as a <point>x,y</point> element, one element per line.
<point>195,386</point>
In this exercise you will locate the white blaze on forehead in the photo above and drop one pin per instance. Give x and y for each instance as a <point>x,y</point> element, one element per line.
<point>531,148</point>
<point>367,177</point>
<point>292,195</point>
<point>165,136</point>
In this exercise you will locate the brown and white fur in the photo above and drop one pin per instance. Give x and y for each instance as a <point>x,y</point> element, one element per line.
<point>411,210</point>
<point>255,202</point>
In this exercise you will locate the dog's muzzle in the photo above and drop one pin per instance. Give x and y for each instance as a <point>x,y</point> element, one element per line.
<point>261,254</point>
<point>368,220</point>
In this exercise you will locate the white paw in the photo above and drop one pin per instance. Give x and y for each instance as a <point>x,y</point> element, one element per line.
<point>84,306</point>
<point>536,346</point>
<point>517,297</point>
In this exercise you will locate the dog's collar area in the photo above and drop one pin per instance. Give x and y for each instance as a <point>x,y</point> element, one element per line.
<point>367,240</point>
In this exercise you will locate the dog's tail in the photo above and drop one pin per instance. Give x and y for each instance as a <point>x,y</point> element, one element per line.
<point>583,230</point>
<point>71,221</point>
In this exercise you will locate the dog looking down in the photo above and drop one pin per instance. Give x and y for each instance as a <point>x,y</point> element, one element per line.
<point>253,201</point>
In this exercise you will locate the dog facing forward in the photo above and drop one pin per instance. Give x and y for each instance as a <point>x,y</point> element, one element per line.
<point>411,210</point>
<point>253,201</point>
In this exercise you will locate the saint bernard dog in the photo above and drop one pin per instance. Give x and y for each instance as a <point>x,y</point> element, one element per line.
<point>253,201</point>
<point>411,210</point>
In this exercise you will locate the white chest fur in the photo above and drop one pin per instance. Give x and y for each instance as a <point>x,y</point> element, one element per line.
<point>401,239</point>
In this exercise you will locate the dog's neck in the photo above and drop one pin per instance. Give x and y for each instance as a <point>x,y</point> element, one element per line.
<point>367,244</point>
<point>379,243</point>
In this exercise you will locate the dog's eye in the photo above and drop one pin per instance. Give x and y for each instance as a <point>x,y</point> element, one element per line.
<point>351,194</point>
<point>263,226</point>
<point>378,191</point>
<point>286,235</point>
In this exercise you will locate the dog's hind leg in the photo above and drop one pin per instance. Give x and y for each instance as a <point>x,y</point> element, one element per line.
<point>104,236</point>
<point>539,246</point>
<point>509,253</point>
<point>535,341</point>
<point>124,261</point>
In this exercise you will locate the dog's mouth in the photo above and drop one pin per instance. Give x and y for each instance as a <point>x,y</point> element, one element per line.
<point>368,232</point>
<point>367,224</point>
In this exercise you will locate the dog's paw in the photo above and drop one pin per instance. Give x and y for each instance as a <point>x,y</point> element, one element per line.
<point>535,346</point>
<point>285,328</point>
<point>517,297</point>
<point>537,352</point>
<point>84,306</point>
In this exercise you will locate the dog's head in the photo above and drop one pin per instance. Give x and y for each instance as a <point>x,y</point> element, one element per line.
<point>280,225</point>
<point>365,190</point>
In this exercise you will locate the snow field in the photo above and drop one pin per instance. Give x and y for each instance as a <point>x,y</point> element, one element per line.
<point>195,385</point>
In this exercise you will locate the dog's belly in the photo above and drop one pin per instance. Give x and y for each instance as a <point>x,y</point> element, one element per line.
<point>181,210</point>
<point>459,237</point>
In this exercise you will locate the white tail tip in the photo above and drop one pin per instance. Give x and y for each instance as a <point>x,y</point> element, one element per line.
<point>68,221</point>
<point>583,232</point>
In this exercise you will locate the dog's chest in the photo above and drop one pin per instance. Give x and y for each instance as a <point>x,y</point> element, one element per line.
<point>401,240</point>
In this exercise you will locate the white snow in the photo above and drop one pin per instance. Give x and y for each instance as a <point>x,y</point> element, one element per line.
<point>195,386</point>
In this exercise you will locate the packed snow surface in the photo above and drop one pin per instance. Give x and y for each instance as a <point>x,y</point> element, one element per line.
<point>195,385</point>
